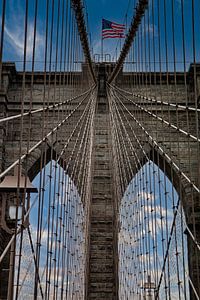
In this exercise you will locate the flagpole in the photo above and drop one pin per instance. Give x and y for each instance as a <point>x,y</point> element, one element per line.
<point>102,41</point>
<point>102,48</point>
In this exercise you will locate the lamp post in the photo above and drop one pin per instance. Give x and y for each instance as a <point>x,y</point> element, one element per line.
<point>149,289</point>
<point>15,201</point>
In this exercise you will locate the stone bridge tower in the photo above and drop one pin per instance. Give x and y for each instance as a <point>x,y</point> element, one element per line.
<point>103,258</point>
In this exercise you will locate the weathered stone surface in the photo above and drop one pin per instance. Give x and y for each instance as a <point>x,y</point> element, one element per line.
<point>102,263</point>
<point>102,279</point>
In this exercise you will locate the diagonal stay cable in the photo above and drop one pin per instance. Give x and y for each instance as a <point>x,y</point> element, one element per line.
<point>176,211</point>
<point>43,109</point>
<point>29,210</point>
<point>159,118</point>
<point>154,100</point>
<point>34,258</point>
<point>140,10</point>
<point>160,149</point>
<point>78,9</point>
<point>43,140</point>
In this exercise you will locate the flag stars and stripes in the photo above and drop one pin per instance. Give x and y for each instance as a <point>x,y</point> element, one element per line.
<point>112,29</point>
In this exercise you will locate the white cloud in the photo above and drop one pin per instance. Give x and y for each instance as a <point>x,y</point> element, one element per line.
<point>15,38</point>
<point>14,33</point>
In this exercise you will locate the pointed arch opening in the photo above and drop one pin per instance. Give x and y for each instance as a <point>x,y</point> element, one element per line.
<point>152,245</point>
<point>51,250</point>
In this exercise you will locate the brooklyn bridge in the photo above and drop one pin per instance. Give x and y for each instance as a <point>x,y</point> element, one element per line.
<point>99,152</point>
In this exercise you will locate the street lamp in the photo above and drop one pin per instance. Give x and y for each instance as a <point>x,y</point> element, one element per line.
<point>149,289</point>
<point>15,198</point>
<point>12,212</point>
<point>14,203</point>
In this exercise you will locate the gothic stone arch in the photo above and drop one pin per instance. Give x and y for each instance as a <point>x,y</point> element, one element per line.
<point>9,135</point>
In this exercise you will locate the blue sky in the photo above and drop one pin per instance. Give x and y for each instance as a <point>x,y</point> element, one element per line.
<point>114,10</point>
<point>75,239</point>
<point>142,230</point>
<point>111,10</point>
<point>15,23</point>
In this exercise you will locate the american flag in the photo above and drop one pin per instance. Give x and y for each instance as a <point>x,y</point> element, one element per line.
<point>112,30</point>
